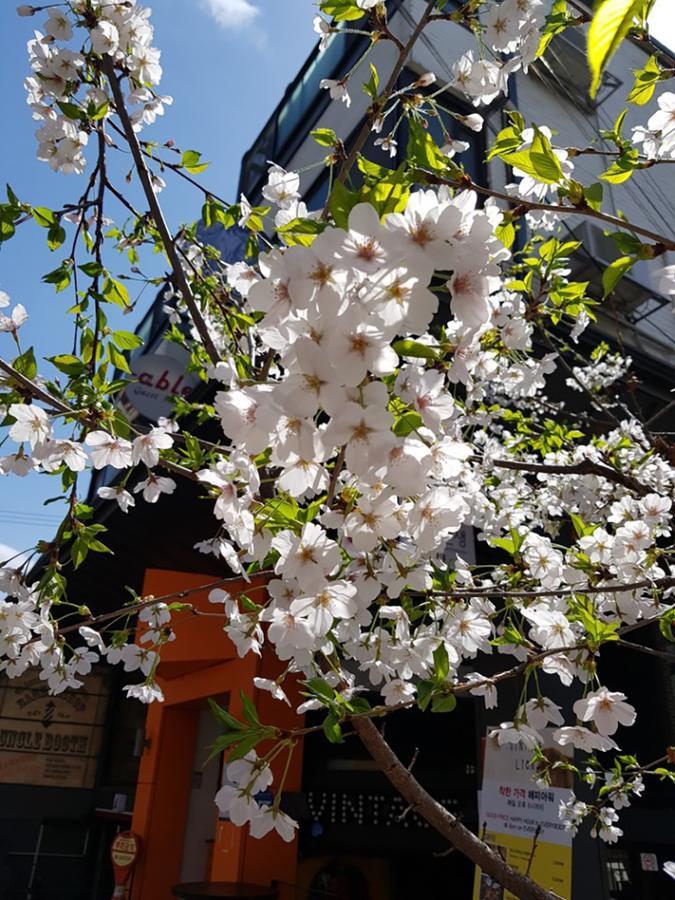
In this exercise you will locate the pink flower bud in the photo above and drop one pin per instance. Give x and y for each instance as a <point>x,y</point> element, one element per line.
<point>25,10</point>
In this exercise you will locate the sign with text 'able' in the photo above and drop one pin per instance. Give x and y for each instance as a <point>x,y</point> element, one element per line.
<point>50,741</point>
<point>159,378</point>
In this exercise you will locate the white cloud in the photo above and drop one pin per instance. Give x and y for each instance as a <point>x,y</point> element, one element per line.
<point>7,552</point>
<point>231,13</point>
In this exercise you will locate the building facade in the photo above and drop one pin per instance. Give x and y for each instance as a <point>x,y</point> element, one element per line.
<point>60,807</point>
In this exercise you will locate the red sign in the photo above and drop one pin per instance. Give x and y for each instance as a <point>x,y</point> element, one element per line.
<point>124,853</point>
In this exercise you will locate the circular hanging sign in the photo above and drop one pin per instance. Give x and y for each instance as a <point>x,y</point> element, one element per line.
<point>158,380</point>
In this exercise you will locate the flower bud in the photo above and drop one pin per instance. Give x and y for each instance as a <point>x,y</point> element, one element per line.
<point>425,80</point>
<point>472,121</point>
<point>25,10</point>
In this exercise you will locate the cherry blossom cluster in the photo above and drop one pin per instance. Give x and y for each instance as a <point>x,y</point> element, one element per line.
<point>386,393</point>
<point>41,449</point>
<point>658,137</point>
<point>245,780</point>
<point>64,92</point>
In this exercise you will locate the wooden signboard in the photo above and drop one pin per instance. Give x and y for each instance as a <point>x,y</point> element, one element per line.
<point>51,741</point>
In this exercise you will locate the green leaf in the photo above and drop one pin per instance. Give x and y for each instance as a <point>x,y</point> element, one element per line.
<point>415,349</point>
<point>92,269</point>
<point>100,111</point>
<point>245,745</point>
<point>443,703</point>
<point>340,203</point>
<point>321,689</point>
<point>593,194</point>
<point>79,551</point>
<point>422,150</point>
<point>407,423</point>
<point>43,216</point>
<point>505,544</point>
<point>441,663</point>
<point>546,163</point>
<point>70,110</point>
<point>615,272</point>
<point>224,717</point>
<point>342,10</point>
<point>506,233</point>
<point>622,168</point>
<point>118,360</point>
<point>324,137</point>
<point>250,712</point>
<point>68,364</point>
<point>60,277</point>
<point>7,227</point>
<point>507,141</point>
<point>301,231</point>
<point>371,87</point>
<point>115,292</point>
<point>666,623</point>
<point>425,691</point>
<point>332,730</point>
<point>539,160</point>
<point>611,23</point>
<point>55,236</point>
<point>389,193</point>
<point>126,340</point>
<point>26,364</point>
<point>191,161</point>
<point>645,81</point>
<point>556,22</point>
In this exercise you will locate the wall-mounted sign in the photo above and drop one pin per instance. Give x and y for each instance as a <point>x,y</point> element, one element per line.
<point>519,818</point>
<point>159,378</point>
<point>52,741</point>
<point>124,852</point>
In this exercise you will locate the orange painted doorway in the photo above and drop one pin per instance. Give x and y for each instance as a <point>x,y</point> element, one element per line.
<point>202,663</point>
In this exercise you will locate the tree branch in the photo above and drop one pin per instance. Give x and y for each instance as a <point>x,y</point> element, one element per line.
<point>587,467</point>
<point>467,183</point>
<point>157,214</point>
<point>449,826</point>
<point>28,386</point>
<point>382,98</point>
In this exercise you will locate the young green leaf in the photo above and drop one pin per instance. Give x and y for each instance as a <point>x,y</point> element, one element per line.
<point>611,23</point>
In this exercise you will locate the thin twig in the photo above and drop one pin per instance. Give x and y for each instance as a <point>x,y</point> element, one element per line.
<point>586,467</point>
<point>157,214</point>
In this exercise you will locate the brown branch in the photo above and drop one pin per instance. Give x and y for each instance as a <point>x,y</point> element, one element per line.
<point>28,386</point>
<point>335,474</point>
<point>157,214</point>
<point>446,824</point>
<point>587,467</point>
<point>133,608</point>
<point>382,98</point>
<point>467,183</point>
<point>492,593</point>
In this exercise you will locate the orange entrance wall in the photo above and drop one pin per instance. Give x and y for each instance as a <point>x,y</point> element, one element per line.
<point>202,662</point>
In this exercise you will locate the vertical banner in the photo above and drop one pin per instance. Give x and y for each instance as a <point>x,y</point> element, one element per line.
<point>519,819</point>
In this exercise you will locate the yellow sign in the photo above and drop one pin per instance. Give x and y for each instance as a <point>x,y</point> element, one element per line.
<point>47,740</point>
<point>551,866</point>
<point>519,819</point>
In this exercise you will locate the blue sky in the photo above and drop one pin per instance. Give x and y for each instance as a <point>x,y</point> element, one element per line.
<point>226,64</point>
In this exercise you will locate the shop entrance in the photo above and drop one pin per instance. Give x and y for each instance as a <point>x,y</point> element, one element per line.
<point>200,822</point>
